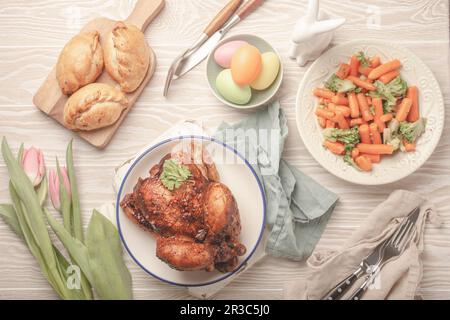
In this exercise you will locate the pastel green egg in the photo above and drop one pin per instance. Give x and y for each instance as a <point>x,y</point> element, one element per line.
<point>230,90</point>
<point>269,72</point>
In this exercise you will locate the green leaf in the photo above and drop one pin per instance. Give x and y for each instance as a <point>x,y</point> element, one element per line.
<point>76,212</point>
<point>42,190</point>
<point>362,59</point>
<point>8,214</point>
<point>77,228</point>
<point>110,276</point>
<point>50,272</point>
<point>65,201</point>
<point>20,154</point>
<point>29,199</point>
<point>75,247</point>
<point>174,174</point>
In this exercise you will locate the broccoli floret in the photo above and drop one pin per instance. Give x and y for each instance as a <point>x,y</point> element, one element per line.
<point>336,84</point>
<point>387,108</point>
<point>397,87</point>
<point>390,92</point>
<point>393,126</point>
<point>349,160</point>
<point>412,130</point>
<point>395,142</point>
<point>346,136</point>
<point>382,91</point>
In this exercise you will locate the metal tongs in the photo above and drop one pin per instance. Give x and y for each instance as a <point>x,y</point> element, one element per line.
<point>209,38</point>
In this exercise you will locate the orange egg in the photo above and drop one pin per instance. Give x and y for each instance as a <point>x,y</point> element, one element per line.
<point>246,65</point>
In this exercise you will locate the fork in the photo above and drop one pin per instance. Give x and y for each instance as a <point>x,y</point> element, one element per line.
<point>392,250</point>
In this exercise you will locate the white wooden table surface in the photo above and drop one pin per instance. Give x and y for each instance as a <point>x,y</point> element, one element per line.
<point>33,32</point>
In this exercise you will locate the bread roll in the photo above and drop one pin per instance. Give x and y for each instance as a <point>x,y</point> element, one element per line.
<point>126,55</point>
<point>94,106</point>
<point>80,62</point>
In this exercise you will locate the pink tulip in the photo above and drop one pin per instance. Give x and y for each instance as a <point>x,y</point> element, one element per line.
<point>33,165</point>
<point>53,186</point>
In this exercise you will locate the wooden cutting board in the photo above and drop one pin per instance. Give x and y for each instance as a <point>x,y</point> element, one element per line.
<point>51,100</point>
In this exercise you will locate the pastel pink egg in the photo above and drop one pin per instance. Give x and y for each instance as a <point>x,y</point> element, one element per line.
<point>224,53</point>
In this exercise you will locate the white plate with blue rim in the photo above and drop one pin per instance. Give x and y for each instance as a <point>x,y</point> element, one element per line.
<point>235,172</point>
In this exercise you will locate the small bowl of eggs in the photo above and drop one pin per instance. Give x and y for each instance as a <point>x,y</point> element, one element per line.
<point>244,71</point>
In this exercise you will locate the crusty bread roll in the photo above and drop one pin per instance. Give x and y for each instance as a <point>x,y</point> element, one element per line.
<point>94,106</point>
<point>126,55</point>
<point>80,62</point>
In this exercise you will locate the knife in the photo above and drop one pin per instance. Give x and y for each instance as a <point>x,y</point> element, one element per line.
<point>209,45</point>
<point>391,251</point>
<point>368,265</point>
<point>218,22</point>
<point>342,287</point>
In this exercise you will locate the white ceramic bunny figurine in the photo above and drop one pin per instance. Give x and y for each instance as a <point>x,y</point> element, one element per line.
<point>312,34</point>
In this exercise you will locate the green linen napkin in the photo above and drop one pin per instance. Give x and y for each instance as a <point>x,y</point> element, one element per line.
<point>297,207</point>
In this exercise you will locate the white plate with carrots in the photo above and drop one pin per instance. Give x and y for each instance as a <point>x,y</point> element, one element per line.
<point>370,112</point>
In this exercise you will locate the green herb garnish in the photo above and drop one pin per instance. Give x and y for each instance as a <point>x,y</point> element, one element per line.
<point>362,59</point>
<point>174,174</point>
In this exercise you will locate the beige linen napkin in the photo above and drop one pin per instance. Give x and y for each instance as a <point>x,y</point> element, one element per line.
<point>398,279</point>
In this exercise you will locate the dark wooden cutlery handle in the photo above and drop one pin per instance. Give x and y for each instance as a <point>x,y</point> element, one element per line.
<point>222,17</point>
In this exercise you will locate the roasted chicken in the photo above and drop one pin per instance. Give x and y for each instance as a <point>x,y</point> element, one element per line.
<point>196,225</point>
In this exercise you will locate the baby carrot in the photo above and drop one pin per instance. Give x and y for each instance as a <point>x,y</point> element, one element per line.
<point>344,110</point>
<point>369,100</point>
<point>335,147</point>
<point>353,103</point>
<point>364,107</point>
<point>364,163</point>
<point>374,158</point>
<point>384,68</point>
<point>361,83</point>
<point>403,110</point>
<point>365,70</point>
<point>388,77</point>
<point>413,94</point>
<point>375,148</point>
<point>409,146</point>
<point>343,71</point>
<point>354,66</point>
<point>322,121</point>
<point>378,108</point>
<point>340,99</point>
<point>364,134</point>
<point>323,93</point>
<point>331,106</point>
<point>355,153</point>
<point>330,124</point>
<point>386,117</point>
<point>325,114</point>
<point>340,120</point>
<point>375,62</point>
<point>376,136</point>
<point>356,122</point>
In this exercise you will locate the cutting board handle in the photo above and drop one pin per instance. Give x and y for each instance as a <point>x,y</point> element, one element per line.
<point>144,12</point>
